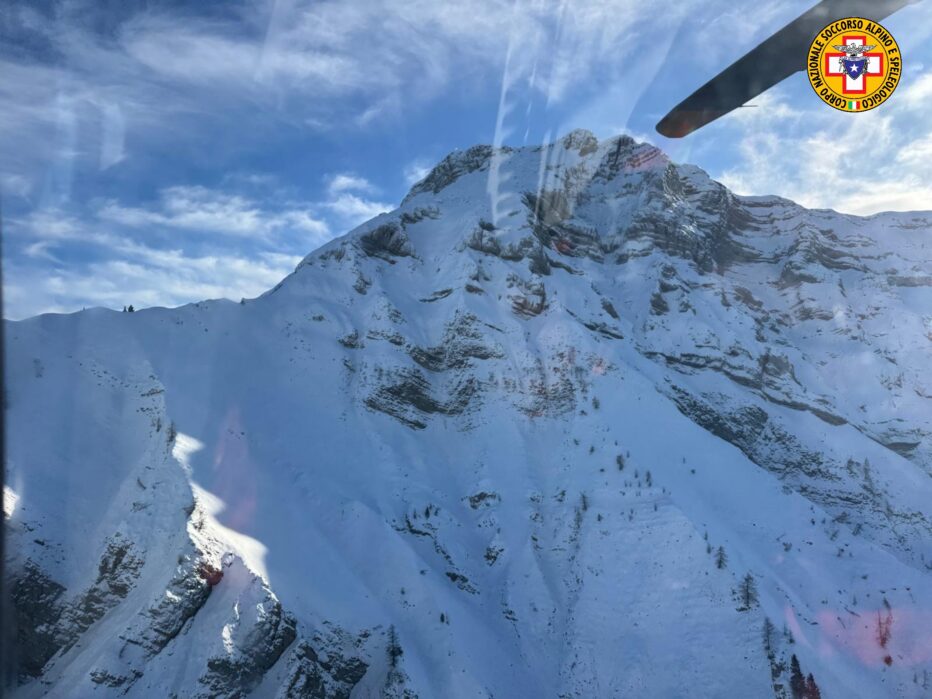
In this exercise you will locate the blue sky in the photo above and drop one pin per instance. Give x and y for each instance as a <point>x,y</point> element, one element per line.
<point>156,152</point>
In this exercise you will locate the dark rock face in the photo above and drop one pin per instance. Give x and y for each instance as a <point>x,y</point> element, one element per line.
<point>581,140</point>
<point>742,427</point>
<point>386,241</point>
<point>168,616</point>
<point>448,387</point>
<point>485,241</point>
<point>617,159</point>
<point>408,397</point>
<point>108,679</point>
<point>530,299</point>
<point>117,572</point>
<point>771,376</point>
<point>546,394</point>
<point>419,214</point>
<point>847,490</point>
<point>463,342</point>
<point>603,329</point>
<point>453,167</point>
<point>483,499</point>
<point>437,296</point>
<point>49,622</point>
<point>548,215</point>
<point>658,304</point>
<point>610,308</point>
<point>37,608</point>
<point>237,673</point>
<point>351,341</point>
<point>325,669</point>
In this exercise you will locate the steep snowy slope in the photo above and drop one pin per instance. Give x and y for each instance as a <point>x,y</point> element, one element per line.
<point>573,421</point>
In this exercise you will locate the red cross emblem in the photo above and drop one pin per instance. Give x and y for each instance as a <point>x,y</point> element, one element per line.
<point>854,86</point>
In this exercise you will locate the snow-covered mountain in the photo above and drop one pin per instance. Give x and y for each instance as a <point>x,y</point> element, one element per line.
<point>572,421</point>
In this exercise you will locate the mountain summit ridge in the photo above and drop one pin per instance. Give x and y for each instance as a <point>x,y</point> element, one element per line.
<point>540,431</point>
<point>579,160</point>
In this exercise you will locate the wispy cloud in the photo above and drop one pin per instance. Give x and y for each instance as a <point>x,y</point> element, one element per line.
<point>147,278</point>
<point>117,267</point>
<point>876,161</point>
<point>336,65</point>
<point>344,182</point>
<point>198,208</point>
<point>348,199</point>
<point>14,186</point>
<point>116,125</point>
<point>354,209</point>
<point>191,242</point>
<point>416,171</point>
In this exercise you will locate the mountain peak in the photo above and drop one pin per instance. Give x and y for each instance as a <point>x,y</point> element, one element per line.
<point>575,197</point>
<point>576,148</point>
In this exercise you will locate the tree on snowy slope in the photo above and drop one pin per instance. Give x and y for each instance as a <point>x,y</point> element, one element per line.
<point>812,689</point>
<point>747,592</point>
<point>394,648</point>
<point>768,634</point>
<point>797,682</point>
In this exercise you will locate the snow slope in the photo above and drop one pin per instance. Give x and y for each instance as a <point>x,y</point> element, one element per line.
<point>490,445</point>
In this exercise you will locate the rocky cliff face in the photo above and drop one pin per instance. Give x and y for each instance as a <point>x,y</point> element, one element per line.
<point>573,421</point>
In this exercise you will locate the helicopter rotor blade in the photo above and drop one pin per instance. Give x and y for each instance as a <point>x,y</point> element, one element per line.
<point>775,59</point>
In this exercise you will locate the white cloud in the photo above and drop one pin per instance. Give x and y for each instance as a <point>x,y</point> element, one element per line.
<point>795,146</point>
<point>346,183</point>
<point>204,210</point>
<point>304,61</point>
<point>48,224</point>
<point>348,200</point>
<point>354,210</point>
<point>149,278</point>
<point>15,185</point>
<point>198,208</point>
<point>121,269</point>
<point>862,164</point>
<point>113,134</point>
<point>164,82</point>
<point>41,249</point>
<point>197,260</point>
<point>918,93</point>
<point>416,171</point>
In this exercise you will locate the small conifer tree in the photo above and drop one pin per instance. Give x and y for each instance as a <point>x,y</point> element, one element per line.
<point>812,689</point>
<point>768,634</point>
<point>797,682</point>
<point>747,592</point>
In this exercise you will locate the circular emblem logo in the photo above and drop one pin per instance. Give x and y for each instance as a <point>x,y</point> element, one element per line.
<point>854,64</point>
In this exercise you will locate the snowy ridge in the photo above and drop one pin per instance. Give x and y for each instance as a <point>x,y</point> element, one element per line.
<point>588,439</point>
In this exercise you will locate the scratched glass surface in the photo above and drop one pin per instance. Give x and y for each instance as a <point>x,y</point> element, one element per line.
<point>499,348</point>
